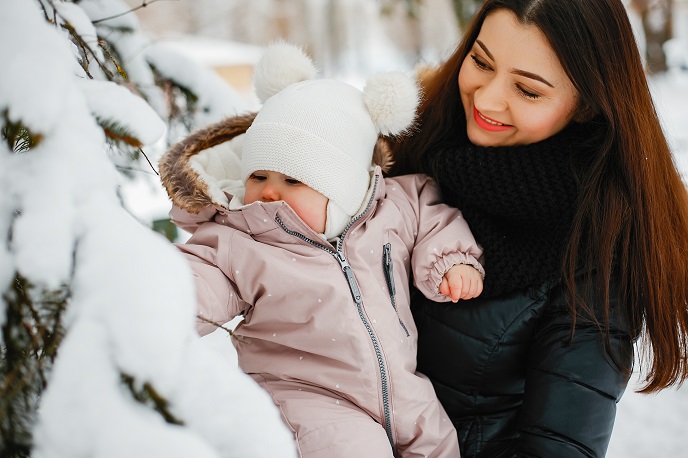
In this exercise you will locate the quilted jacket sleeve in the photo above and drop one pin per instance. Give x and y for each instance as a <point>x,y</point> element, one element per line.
<point>572,386</point>
<point>442,236</point>
<point>209,254</point>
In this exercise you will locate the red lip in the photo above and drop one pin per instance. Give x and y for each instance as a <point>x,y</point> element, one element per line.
<point>483,124</point>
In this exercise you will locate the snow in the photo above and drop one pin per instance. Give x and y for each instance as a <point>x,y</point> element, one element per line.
<point>132,305</point>
<point>108,100</point>
<point>215,97</point>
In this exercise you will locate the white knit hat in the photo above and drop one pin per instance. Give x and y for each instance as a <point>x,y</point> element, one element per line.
<point>323,132</point>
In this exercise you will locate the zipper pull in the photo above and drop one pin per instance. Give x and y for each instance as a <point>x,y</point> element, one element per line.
<point>388,268</point>
<point>350,279</point>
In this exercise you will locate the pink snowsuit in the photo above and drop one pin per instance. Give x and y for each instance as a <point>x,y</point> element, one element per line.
<point>328,331</point>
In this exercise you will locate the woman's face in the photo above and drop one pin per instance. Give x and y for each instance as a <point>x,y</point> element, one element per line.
<point>513,88</point>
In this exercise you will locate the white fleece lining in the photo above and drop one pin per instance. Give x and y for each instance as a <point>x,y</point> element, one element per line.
<point>219,168</point>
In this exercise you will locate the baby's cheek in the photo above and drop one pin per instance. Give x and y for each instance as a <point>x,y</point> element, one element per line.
<point>320,219</point>
<point>315,216</point>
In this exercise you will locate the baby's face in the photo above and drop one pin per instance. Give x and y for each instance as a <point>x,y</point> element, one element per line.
<point>309,204</point>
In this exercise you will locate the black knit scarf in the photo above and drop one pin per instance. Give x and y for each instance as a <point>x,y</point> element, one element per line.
<point>519,202</point>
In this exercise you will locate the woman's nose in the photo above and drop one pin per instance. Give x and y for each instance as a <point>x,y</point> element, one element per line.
<point>269,193</point>
<point>491,96</point>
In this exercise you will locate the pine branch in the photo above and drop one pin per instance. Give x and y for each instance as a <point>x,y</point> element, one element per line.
<point>85,52</point>
<point>127,170</point>
<point>118,133</point>
<point>103,45</point>
<point>182,102</point>
<point>45,12</point>
<point>17,137</point>
<point>149,162</point>
<point>123,141</point>
<point>31,333</point>
<point>221,326</point>
<point>149,396</point>
<point>142,5</point>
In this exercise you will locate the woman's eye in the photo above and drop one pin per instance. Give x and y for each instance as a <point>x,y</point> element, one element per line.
<point>479,63</point>
<point>527,94</point>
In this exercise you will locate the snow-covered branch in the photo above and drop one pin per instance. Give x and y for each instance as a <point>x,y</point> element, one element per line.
<point>99,348</point>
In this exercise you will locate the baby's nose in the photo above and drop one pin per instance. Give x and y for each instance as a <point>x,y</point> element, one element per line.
<point>269,194</point>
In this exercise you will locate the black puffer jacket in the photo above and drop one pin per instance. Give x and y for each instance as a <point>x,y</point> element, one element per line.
<point>513,378</point>
<point>513,382</point>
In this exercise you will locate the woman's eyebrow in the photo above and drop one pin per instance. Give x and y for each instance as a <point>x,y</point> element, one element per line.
<point>516,71</point>
<point>530,75</point>
<point>487,51</point>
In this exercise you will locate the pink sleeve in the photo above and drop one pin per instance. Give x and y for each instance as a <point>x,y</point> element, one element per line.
<point>443,237</point>
<point>208,253</point>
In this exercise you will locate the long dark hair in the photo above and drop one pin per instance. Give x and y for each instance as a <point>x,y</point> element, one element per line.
<point>631,222</point>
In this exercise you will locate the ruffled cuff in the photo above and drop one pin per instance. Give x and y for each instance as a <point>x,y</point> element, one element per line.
<point>432,283</point>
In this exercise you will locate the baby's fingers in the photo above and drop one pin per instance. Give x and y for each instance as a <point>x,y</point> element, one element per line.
<point>444,287</point>
<point>456,288</point>
<point>474,288</point>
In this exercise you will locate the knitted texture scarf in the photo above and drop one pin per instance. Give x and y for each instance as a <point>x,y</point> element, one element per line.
<point>519,202</point>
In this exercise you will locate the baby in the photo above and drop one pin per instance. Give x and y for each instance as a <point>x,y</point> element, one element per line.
<point>316,253</point>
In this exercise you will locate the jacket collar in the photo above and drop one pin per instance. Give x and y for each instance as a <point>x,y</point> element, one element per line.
<point>260,217</point>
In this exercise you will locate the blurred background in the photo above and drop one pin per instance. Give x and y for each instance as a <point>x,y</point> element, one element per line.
<point>361,36</point>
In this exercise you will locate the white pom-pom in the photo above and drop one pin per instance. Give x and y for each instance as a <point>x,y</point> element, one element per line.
<point>391,99</point>
<point>282,65</point>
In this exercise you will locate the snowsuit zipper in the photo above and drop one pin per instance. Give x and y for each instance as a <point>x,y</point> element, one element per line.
<point>388,269</point>
<point>356,295</point>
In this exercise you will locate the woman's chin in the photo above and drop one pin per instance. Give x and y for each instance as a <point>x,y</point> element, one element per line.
<point>486,139</point>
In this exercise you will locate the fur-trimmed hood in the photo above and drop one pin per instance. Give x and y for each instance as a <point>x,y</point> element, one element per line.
<point>204,169</point>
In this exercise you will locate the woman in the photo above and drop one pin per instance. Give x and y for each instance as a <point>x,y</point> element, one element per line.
<point>541,129</point>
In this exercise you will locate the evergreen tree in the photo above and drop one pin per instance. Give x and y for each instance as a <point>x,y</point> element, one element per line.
<point>98,353</point>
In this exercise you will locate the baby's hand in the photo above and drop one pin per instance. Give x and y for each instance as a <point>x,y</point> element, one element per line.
<point>462,282</point>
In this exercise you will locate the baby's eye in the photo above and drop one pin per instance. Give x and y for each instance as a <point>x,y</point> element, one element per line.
<point>292,181</point>
<point>256,177</point>
<point>479,63</point>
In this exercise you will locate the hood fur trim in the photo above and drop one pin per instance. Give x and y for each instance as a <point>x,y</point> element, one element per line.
<point>184,186</point>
